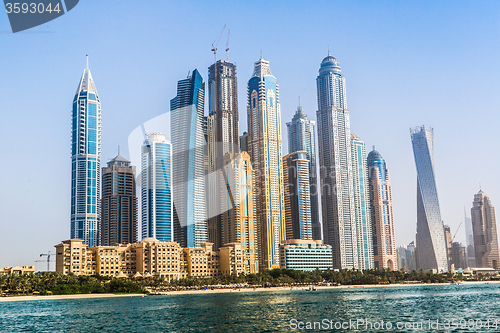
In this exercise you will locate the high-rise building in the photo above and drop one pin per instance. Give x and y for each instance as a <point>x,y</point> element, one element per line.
<point>431,244</point>
<point>469,234</point>
<point>188,160</point>
<point>86,161</point>
<point>334,143</point>
<point>156,192</point>
<point>458,256</point>
<point>449,241</point>
<point>382,218</point>
<point>223,138</point>
<point>484,226</point>
<point>265,147</point>
<point>301,137</point>
<point>118,203</point>
<point>361,203</point>
<point>244,142</point>
<point>296,174</point>
<point>238,219</point>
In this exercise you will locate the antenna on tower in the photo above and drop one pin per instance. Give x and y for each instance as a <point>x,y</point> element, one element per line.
<point>118,149</point>
<point>328,49</point>
<point>87,61</point>
<point>299,100</point>
<point>227,44</point>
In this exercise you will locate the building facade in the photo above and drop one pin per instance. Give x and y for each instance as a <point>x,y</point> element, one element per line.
<point>301,137</point>
<point>223,138</point>
<point>118,203</point>
<point>469,234</point>
<point>382,218</point>
<point>361,203</point>
<point>484,226</point>
<point>458,256</point>
<point>86,161</point>
<point>149,258</point>
<point>156,192</point>
<point>334,143</point>
<point>305,255</point>
<point>189,147</point>
<point>298,215</point>
<point>431,245</point>
<point>265,150</point>
<point>238,219</point>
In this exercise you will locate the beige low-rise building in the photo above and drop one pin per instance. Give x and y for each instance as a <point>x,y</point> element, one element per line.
<point>17,270</point>
<point>149,257</point>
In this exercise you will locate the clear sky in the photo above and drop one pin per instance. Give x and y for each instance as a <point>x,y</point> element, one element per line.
<point>406,63</point>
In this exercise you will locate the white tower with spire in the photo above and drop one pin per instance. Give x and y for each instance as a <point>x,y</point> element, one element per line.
<point>86,161</point>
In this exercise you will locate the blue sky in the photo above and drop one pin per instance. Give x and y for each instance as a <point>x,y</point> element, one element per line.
<point>406,63</point>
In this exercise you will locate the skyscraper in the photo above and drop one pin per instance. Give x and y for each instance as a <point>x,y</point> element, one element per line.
<point>223,138</point>
<point>86,161</point>
<point>189,146</point>
<point>264,146</point>
<point>334,142</point>
<point>238,218</point>
<point>382,218</point>
<point>156,193</point>
<point>119,203</point>
<point>484,226</point>
<point>301,137</point>
<point>469,234</point>
<point>297,195</point>
<point>431,245</point>
<point>361,203</point>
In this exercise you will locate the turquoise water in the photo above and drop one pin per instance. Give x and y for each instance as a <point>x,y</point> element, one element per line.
<point>267,311</point>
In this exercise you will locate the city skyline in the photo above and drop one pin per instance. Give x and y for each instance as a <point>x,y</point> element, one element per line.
<point>54,181</point>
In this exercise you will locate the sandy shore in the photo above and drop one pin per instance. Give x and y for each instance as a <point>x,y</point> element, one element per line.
<point>56,297</point>
<point>228,290</point>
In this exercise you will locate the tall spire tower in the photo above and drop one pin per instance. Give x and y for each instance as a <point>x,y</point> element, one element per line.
<point>86,161</point>
<point>334,141</point>
<point>264,146</point>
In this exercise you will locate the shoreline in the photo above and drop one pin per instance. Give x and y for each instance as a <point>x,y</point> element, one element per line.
<point>228,290</point>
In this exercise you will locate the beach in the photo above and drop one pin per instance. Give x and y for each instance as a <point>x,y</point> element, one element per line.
<point>229,290</point>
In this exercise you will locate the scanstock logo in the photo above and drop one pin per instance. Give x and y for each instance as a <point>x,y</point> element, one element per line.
<point>26,14</point>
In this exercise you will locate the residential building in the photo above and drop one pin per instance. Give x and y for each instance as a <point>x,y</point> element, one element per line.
<point>301,137</point>
<point>334,143</point>
<point>305,255</point>
<point>361,203</point>
<point>382,217</point>
<point>223,138</point>
<point>458,256</point>
<point>238,220</point>
<point>157,189</point>
<point>449,243</point>
<point>298,217</point>
<point>17,270</point>
<point>265,150</point>
<point>431,244</point>
<point>188,160</point>
<point>86,160</point>
<point>149,258</point>
<point>244,142</point>
<point>484,226</point>
<point>118,203</point>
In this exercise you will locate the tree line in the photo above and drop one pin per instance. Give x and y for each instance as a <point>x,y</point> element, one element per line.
<point>60,284</point>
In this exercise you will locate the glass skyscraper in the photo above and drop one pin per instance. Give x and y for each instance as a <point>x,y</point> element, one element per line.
<point>301,137</point>
<point>156,192</point>
<point>188,160</point>
<point>431,244</point>
<point>382,217</point>
<point>86,161</point>
<point>361,202</point>
<point>334,143</point>
<point>265,150</point>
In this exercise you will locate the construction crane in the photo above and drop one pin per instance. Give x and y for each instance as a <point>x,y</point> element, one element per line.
<point>456,232</point>
<point>48,255</point>
<point>227,44</point>
<point>214,47</point>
